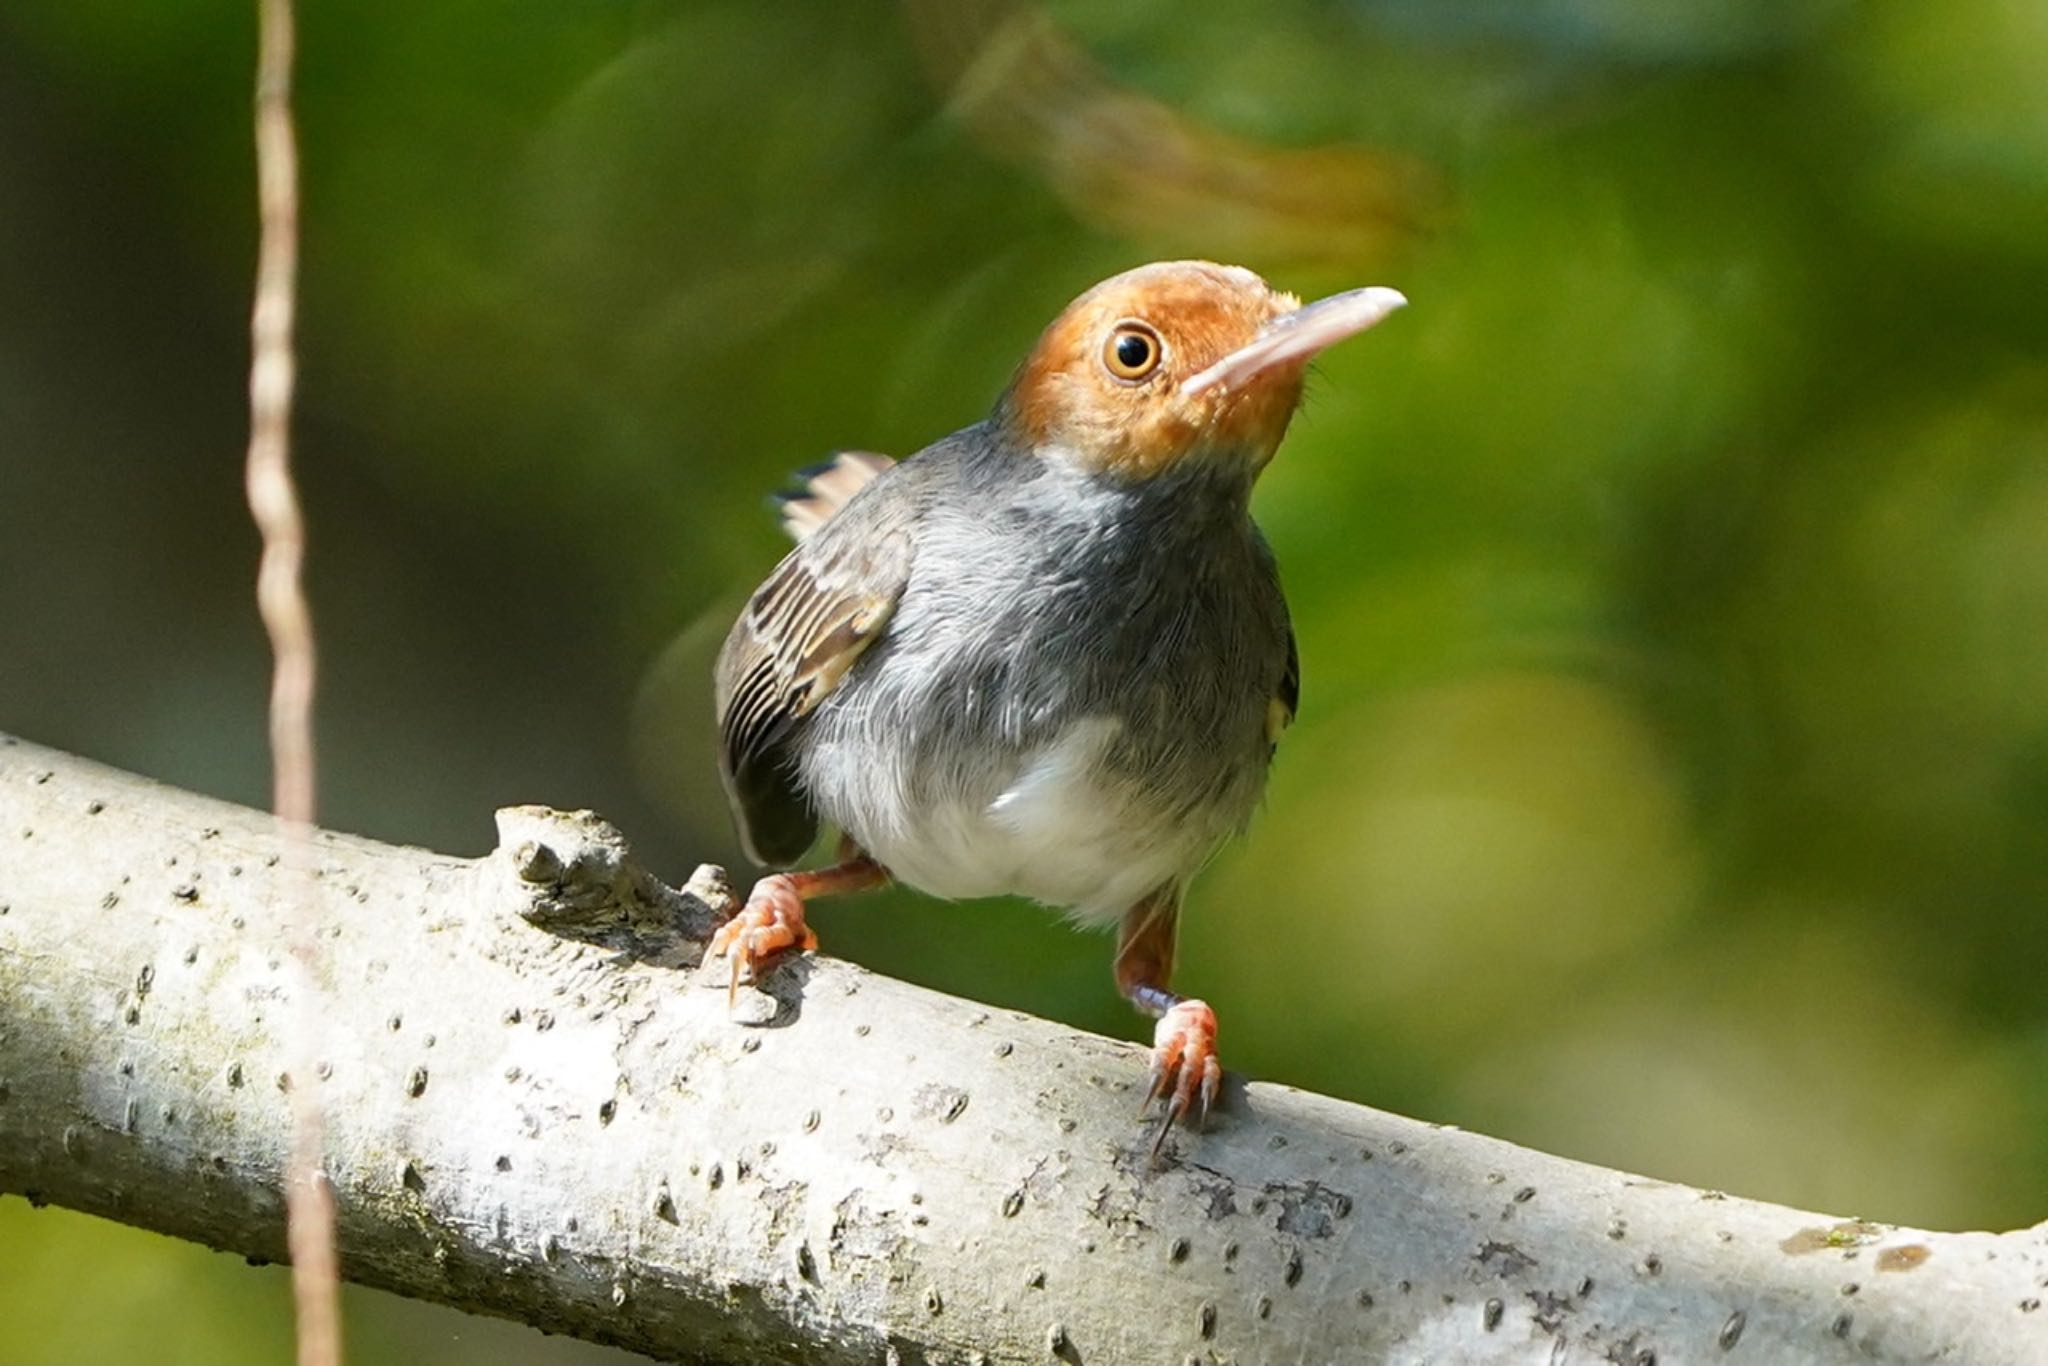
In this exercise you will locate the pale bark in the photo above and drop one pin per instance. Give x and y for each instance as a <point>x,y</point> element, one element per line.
<point>538,1108</point>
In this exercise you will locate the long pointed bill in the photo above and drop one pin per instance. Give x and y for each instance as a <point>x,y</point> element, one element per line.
<point>1294,337</point>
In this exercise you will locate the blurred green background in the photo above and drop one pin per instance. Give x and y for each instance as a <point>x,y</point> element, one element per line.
<point>1671,783</point>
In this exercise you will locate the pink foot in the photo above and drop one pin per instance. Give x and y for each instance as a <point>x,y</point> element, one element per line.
<point>771,921</point>
<point>1184,1064</point>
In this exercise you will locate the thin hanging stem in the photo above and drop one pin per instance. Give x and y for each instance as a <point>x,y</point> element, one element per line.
<point>281,601</point>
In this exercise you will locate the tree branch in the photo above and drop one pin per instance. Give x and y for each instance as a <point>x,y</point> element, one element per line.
<point>537,1109</point>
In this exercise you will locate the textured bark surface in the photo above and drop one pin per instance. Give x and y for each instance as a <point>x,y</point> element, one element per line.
<point>538,1107</point>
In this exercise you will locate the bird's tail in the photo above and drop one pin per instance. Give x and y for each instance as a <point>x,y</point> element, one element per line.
<point>827,488</point>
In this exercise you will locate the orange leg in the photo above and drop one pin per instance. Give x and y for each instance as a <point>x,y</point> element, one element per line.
<point>773,918</point>
<point>1184,1062</point>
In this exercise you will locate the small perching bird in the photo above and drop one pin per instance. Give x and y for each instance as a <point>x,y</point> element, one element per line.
<point>1047,655</point>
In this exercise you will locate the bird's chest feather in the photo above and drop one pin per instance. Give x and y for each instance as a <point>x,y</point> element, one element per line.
<point>1071,713</point>
<point>1053,822</point>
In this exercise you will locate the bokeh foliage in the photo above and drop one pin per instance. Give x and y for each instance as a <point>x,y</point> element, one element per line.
<point>1671,784</point>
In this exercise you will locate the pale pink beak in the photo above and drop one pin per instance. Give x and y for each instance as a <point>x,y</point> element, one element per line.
<point>1294,337</point>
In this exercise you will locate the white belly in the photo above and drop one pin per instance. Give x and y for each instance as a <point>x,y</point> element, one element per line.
<point>1056,831</point>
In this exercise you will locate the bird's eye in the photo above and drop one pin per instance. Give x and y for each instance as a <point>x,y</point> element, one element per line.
<point>1133,351</point>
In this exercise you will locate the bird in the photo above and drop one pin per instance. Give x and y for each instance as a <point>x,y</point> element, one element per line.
<point>1047,655</point>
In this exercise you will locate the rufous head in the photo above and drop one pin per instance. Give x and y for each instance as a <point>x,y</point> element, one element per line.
<point>1175,361</point>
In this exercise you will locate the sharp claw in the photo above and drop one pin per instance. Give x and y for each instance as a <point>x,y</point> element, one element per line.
<point>732,988</point>
<point>1166,1119</point>
<point>1184,1093</point>
<point>1155,1087</point>
<point>1166,1067</point>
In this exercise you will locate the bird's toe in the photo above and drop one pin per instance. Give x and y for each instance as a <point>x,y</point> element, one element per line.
<point>771,921</point>
<point>1186,1071</point>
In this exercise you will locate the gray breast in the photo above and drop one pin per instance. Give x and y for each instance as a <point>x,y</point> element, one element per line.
<point>1035,603</point>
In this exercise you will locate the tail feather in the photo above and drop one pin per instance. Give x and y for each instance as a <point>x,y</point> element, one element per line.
<point>827,487</point>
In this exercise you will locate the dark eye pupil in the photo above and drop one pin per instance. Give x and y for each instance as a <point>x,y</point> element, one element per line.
<point>1132,350</point>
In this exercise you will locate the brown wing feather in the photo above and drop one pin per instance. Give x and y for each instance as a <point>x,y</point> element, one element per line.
<point>827,601</point>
